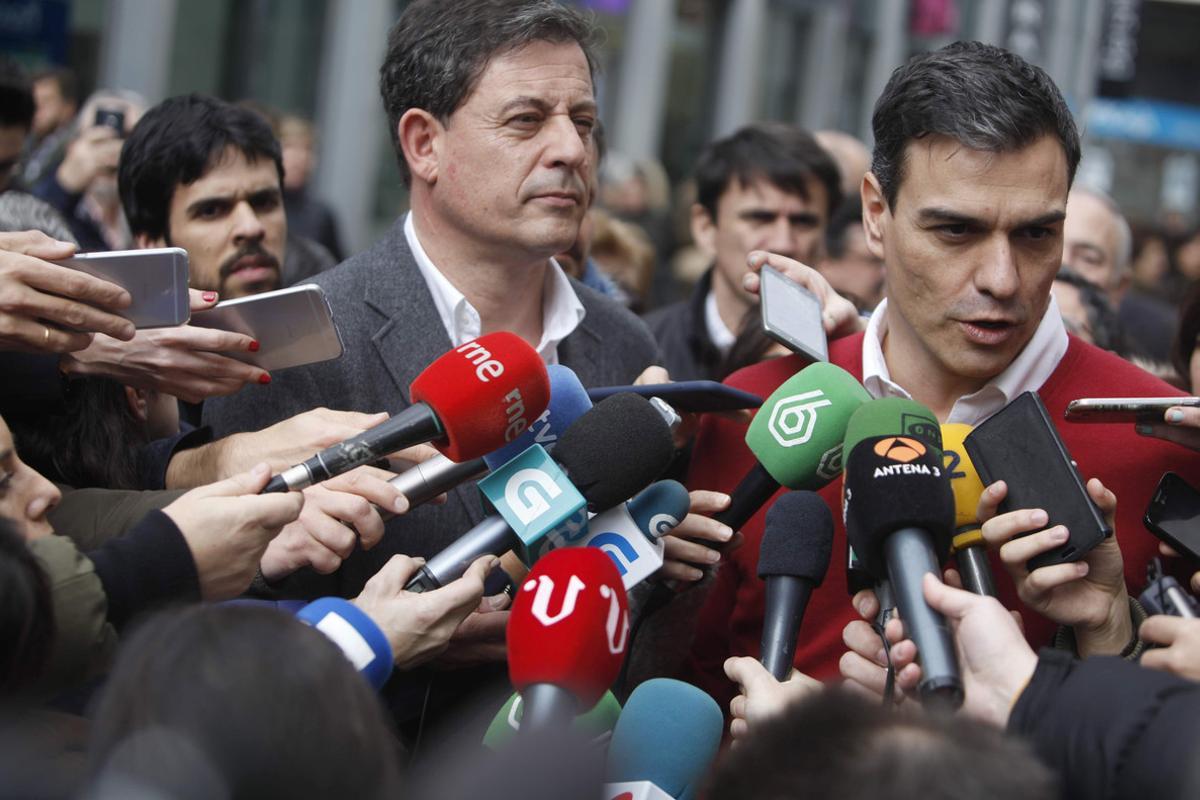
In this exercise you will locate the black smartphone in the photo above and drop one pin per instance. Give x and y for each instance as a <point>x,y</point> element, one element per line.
<point>1020,446</point>
<point>111,118</point>
<point>1125,409</point>
<point>698,396</point>
<point>1174,515</point>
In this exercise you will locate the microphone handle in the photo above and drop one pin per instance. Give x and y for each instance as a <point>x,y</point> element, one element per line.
<point>749,496</point>
<point>909,553</point>
<point>425,481</point>
<point>975,570</point>
<point>787,597</point>
<point>416,424</point>
<point>547,707</point>
<point>490,536</point>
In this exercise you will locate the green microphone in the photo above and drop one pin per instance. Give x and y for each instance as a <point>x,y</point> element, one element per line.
<point>597,723</point>
<point>796,437</point>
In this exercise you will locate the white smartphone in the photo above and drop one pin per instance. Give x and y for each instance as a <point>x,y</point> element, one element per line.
<point>1125,409</point>
<point>156,278</point>
<point>791,315</point>
<point>292,326</point>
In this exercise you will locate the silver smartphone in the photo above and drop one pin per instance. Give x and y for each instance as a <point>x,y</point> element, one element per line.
<point>157,279</point>
<point>1125,409</point>
<point>791,315</point>
<point>292,326</point>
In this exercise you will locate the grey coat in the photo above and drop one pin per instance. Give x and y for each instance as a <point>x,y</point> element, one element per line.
<point>392,331</point>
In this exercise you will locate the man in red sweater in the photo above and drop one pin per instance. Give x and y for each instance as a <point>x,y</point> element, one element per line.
<point>965,203</point>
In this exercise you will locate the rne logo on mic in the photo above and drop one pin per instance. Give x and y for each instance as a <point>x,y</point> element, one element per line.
<point>794,419</point>
<point>486,367</point>
<point>900,448</point>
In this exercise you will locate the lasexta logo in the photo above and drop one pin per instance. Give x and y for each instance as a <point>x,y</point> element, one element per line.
<point>794,419</point>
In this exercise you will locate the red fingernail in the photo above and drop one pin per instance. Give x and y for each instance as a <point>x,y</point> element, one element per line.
<point>254,345</point>
<point>264,378</point>
<point>209,297</point>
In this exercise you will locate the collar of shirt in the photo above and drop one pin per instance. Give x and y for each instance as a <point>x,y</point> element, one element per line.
<point>1028,371</point>
<point>561,310</point>
<point>718,333</point>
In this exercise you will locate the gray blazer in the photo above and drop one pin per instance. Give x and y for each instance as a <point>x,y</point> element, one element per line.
<point>392,331</point>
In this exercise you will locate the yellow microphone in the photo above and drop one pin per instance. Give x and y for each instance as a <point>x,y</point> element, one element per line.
<point>968,547</point>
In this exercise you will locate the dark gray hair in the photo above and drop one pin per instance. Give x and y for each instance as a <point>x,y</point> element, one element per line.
<point>436,54</point>
<point>982,96</point>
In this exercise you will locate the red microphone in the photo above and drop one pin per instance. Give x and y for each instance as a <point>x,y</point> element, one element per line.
<point>567,635</point>
<point>470,401</point>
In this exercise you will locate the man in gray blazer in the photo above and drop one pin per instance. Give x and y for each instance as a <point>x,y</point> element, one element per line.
<point>491,113</point>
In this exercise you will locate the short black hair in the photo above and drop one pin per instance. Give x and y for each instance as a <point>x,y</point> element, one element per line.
<point>982,96</point>
<point>16,96</point>
<point>834,744</point>
<point>847,217</point>
<point>785,155</point>
<point>175,144</point>
<point>436,55</point>
<point>64,79</point>
<point>247,698</point>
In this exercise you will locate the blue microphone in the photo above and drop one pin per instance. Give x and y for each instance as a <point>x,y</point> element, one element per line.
<point>355,633</point>
<point>664,741</point>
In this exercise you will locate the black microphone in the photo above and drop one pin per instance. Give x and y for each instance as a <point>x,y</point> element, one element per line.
<point>899,512</point>
<point>792,559</point>
<point>610,453</point>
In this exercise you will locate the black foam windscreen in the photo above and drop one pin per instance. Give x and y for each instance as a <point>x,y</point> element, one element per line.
<point>615,450</point>
<point>798,538</point>
<point>895,482</point>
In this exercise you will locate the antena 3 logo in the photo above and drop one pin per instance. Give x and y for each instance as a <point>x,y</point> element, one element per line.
<point>794,419</point>
<point>903,451</point>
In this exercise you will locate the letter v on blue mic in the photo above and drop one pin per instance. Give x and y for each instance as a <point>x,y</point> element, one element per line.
<point>899,511</point>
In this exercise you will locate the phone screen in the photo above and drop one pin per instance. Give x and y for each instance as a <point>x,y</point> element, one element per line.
<point>792,315</point>
<point>1174,515</point>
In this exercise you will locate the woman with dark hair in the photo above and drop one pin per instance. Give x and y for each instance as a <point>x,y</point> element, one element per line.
<point>238,702</point>
<point>26,614</point>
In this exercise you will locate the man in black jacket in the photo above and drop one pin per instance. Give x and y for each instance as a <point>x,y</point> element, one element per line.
<point>766,187</point>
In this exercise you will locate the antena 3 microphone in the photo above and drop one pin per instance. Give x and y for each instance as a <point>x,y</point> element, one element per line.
<point>567,635</point>
<point>899,512</point>
<point>968,547</point>
<point>796,436</point>
<point>467,403</point>
<point>792,559</point>
<point>665,739</point>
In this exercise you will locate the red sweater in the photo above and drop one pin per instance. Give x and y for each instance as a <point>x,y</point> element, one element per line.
<point>1128,464</point>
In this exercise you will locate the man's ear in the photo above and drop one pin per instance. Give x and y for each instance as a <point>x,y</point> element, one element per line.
<point>143,241</point>
<point>419,134</point>
<point>137,399</point>
<point>704,230</point>
<point>875,213</point>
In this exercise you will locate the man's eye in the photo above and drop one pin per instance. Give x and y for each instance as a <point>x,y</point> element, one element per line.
<point>525,119</point>
<point>954,230</point>
<point>1037,233</point>
<point>209,210</point>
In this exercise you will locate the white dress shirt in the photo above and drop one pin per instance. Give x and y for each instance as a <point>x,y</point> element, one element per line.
<point>561,310</point>
<point>718,333</point>
<point>1028,371</point>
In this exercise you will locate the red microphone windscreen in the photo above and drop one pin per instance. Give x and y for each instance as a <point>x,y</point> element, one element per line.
<point>485,393</point>
<point>569,625</point>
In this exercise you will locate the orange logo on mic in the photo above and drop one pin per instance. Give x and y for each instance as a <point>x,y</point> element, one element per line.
<point>900,448</point>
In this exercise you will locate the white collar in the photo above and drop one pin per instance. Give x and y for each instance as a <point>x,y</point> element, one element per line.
<point>1028,371</point>
<point>561,309</point>
<point>718,332</point>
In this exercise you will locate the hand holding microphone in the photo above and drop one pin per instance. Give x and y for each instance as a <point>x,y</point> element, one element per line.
<point>761,695</point>
<point>468,402</point>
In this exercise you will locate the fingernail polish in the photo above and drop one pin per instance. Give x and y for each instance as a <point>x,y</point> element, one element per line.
<point>1174,416</point>
<point>1143,428</point>
<point>264,379</point>
<point>209,297</point>
<point>254,345</point>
